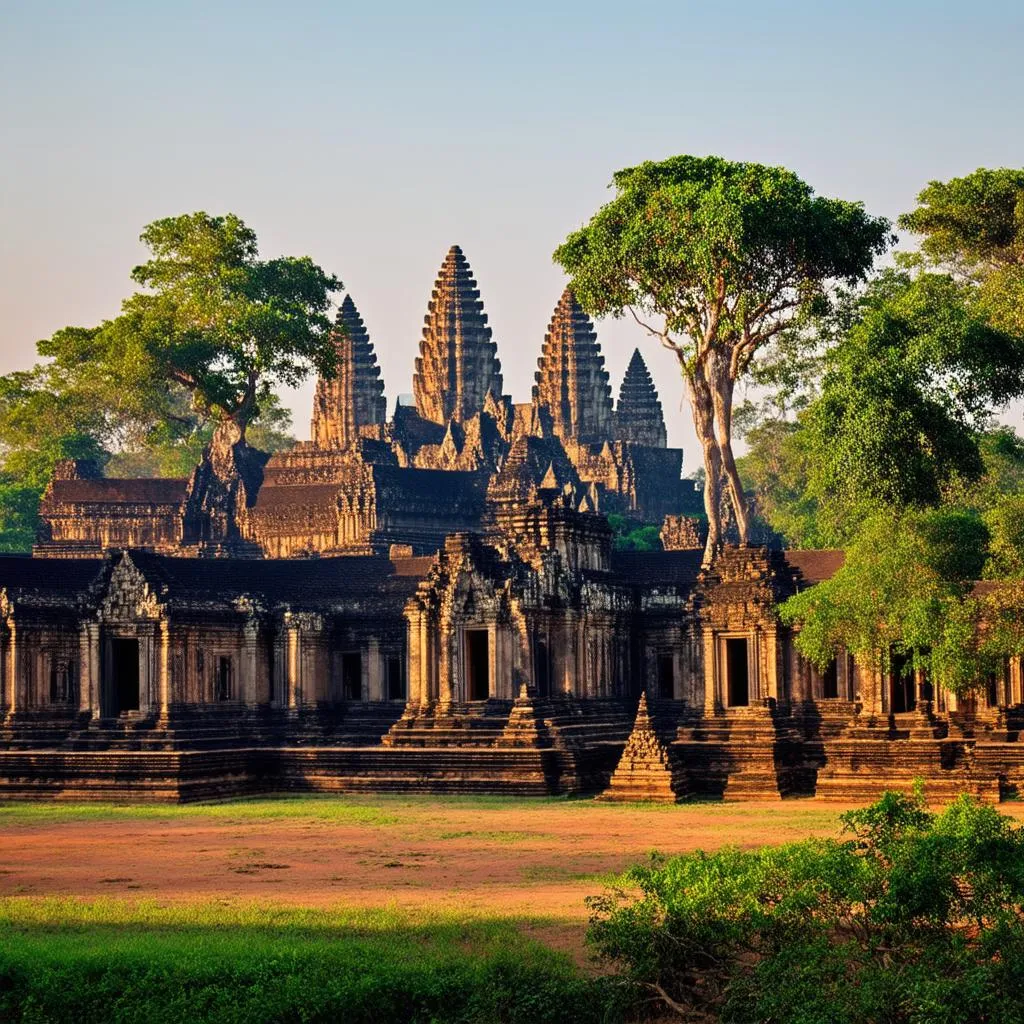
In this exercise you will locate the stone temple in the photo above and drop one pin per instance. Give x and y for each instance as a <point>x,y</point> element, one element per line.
<point>432,601</point>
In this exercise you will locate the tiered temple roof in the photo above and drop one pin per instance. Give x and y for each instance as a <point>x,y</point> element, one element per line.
<point>354,398</point>
<point>572,383</point>
<point>458,363</point>
<point>638,415</point>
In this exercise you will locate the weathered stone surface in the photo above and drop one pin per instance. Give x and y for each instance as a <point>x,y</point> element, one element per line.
<point>354,398</point>
<point>683,533</point>
<point>458,363</point>
<point>638,414</point>
<point>571,381</point>
<point>479,634</point>
<point>646,771</point>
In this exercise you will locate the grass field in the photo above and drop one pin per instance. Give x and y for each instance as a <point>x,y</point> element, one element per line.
<point>340,908</point>
<point>113,960</point>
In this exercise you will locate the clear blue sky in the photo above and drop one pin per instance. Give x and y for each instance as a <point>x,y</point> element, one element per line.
<point>373,136</point>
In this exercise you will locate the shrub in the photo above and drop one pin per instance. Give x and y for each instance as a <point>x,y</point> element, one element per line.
<point>909,917</point>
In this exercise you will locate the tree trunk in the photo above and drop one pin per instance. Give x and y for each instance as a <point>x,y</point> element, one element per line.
<point>721,386</point>
<point>702,408</point>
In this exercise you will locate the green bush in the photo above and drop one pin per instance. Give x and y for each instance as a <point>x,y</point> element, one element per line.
<point>913,918</point>
<point>628,535</point>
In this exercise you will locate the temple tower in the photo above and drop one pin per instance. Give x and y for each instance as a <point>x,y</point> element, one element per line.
<point>458,363</point>
<point>354,398</point>
<point>571,381</point>
<point>638,415</point>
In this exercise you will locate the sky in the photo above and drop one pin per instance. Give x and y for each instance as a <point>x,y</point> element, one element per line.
<point>373,136</point>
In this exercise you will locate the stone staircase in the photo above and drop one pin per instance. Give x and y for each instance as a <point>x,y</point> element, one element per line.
<point>474,724</point>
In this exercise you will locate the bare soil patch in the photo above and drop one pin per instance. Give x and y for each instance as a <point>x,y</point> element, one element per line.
<point>515,858</point>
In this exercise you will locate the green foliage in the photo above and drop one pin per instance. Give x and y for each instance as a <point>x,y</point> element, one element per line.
<point>775,470</point>
<point>39,424</point>
<point>905,587</point>
<point>903,400</point>
<point>215,320</point>
<point>1002,458</point>
<point>173,447</point>
<point>913,918</point>
<point>1005,522</point>
<point>216,329</point>
<point>63,960</point>
<point>974,225</point>
<point>628,536</point>
<point>716,259</point>
<point>974,220</point>
<point>693,234</point>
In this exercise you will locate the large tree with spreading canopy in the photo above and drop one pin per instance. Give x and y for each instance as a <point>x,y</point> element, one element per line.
<point>715,259</point>
<point>197,351</point>
<point>213,319</point>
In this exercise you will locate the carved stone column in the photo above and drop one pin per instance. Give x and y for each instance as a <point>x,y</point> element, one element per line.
<point>711,660</point>
<point>89,669</point>
<point>293,656</point>
<point>374,671</point>
<point>250,689</point>
<point>5,673</point>
<point>163,669</point>
<point>16,699</point>
<point>449,642</point>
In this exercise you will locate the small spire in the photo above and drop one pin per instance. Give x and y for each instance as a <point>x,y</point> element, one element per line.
<point>571,380</point>
<point>638,415</point>
<point>354,397</point>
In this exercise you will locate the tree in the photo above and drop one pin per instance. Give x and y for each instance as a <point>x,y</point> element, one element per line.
<point>38,426</point>
<point>715,259</point>
<point>215,320</point>
<point>974,227</point>
<point>906,587</point>
<point>906,395</point>
<point>172,447</point>
<point>775,470</point>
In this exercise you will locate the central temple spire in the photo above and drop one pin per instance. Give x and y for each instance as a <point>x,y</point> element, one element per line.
<point>458,364</point>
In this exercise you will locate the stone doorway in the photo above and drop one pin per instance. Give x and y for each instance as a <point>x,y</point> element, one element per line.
<point>901,682</point>
<point>830,680</point>
<point>666,676</point>
<point>124,675</point>
<point>541,668</point>
<point>737,671</point>
<point>396,678</point>
<point>352,676</point>
<point>478,664</point>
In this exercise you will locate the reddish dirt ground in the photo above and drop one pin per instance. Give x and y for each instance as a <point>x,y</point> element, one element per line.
<point>502,859</point>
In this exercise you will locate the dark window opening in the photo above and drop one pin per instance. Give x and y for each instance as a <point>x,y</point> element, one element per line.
<point>830,680</point>
<point>478,664</point>
<point>991,690</point>
<point>62,682</point>
<point>541,667</point>
<point>666,676</point>
<point>737,671</point>
<point>352,676</point>
<point>124,656</point>
<point>901,681</point>
<point>396,677</point>
<point>224,689</point>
